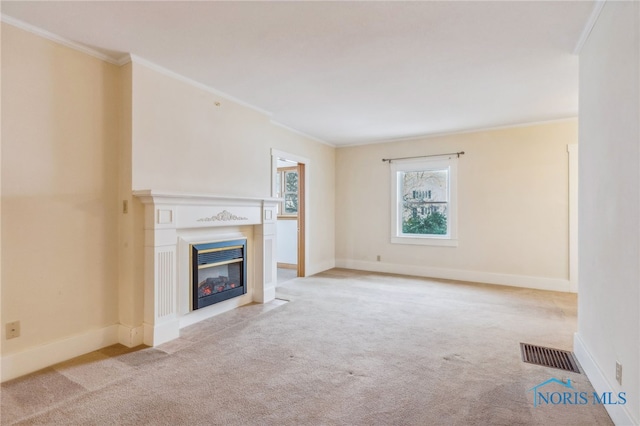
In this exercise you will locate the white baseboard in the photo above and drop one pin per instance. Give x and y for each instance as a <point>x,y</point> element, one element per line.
<point>320,267</point>
<point>269,294</point>
<point>130,336</point>
<point>34,359</point>
<point>157,334</point>
<point>538,283</point>
<point>618,413</point>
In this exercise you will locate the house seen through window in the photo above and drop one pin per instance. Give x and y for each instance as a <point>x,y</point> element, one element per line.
<point>424,202</point>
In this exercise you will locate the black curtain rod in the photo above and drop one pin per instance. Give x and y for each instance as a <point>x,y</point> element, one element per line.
<point>458,154</point>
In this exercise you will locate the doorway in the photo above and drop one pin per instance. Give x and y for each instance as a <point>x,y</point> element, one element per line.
<point>289,180</point>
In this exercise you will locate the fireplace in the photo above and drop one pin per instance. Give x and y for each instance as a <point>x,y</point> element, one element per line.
<point>219,272</point>
<point>174,224</point>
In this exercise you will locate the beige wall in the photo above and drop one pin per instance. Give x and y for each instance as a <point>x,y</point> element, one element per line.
<point>512,207</point>
<point>609,266</point>
<point>131,224</point>
<point>182,141</point>
<point>78,135</point>
<point>59,191</point>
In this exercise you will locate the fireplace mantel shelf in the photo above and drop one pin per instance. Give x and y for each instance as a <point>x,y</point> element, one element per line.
<point>154,195</point>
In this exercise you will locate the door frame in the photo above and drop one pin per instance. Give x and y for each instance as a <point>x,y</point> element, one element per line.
<point>303,200</point>
<point>572,149</point>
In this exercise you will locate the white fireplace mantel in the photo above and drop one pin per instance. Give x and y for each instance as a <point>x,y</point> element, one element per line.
<point>173,221</point>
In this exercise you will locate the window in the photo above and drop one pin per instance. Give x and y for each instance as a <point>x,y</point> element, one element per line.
<point>287,184</point>
<point>423,194</point>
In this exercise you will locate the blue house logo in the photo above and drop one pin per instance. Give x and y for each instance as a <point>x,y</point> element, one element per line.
<point>545,397</point>
<point>569,396</point>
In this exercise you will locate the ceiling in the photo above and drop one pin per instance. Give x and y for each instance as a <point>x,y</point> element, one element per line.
<point>349,72</point>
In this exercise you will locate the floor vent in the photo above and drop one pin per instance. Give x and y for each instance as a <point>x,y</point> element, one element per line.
<point>555,358</point>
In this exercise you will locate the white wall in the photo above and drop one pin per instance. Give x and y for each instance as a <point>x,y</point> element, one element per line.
<point>513,219</point>
<point>609,206</point>
<point>287,241</point>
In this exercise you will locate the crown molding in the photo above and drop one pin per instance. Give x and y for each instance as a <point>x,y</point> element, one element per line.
<point>132,58</point>
<point>124,59</point>
<point>588,26</point>
<point>162,70</point>
<point>127,58</point>
<point>461,132</point>
<point>298,132</point>
<point>57,39</point>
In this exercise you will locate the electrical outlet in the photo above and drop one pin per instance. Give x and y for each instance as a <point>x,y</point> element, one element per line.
<point>619,372</point>
<point>13,329</point>
<point>379,258</point>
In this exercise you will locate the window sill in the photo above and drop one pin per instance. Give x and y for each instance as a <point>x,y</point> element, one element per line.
<point>425,241</point>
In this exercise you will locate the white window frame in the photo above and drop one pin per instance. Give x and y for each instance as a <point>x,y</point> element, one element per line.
<point>425,164</point>
<point>281,193</point>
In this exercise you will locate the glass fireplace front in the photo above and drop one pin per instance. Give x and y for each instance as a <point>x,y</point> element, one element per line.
<point>219,271</point>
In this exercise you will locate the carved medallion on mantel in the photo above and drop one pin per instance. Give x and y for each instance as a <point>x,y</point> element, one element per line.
<point>222,216</point>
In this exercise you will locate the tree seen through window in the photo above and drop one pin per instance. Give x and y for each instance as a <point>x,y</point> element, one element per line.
<point>425,200</point>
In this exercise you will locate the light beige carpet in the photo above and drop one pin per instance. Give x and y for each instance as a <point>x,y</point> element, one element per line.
<point>350,348</point>
<point>285,275</point>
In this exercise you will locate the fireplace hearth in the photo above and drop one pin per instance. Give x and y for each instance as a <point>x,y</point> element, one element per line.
<point>219,272</point>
